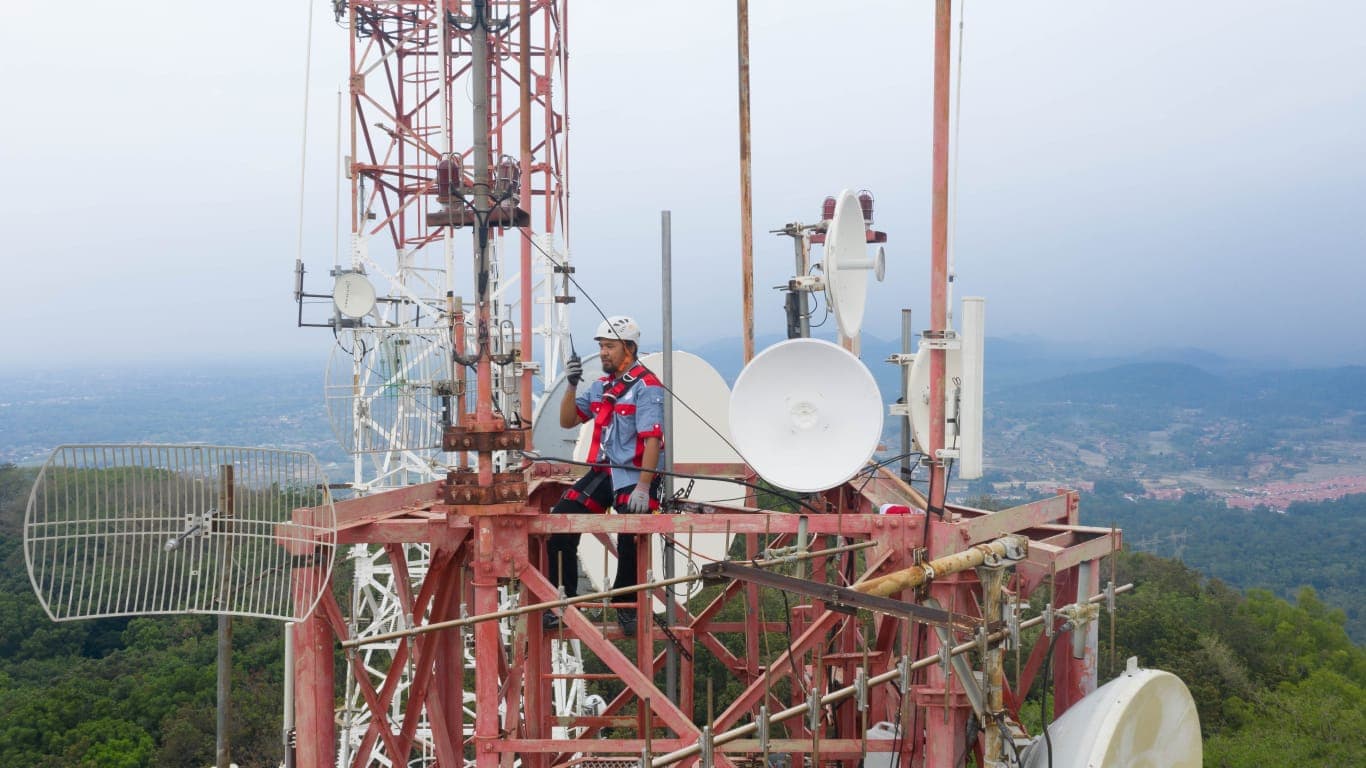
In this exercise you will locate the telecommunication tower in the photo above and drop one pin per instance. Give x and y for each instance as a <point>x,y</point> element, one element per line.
<point>457,124</point>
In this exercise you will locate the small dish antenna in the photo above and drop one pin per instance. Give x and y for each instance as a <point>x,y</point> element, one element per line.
<point>135,530</point>
<point>847,262</point>
<point>353,295</point>
<point>806,414</point>
<point>385,388</point>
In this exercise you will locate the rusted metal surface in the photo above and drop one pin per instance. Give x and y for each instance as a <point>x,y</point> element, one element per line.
<point>746,188</point>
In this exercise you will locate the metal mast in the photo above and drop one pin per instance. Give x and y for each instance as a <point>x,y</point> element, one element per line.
<point>413,69</point>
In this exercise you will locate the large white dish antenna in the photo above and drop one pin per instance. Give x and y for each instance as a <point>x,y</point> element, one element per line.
<point>847,264</point>
<point>1141,719</point>
<point>134,530</point>
<point>384,388</point>
<point>806,414</point>
<point>702,388</point>
<point>353,295</point>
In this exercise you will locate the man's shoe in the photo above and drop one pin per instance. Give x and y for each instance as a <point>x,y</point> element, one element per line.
<point>550,621</point>
<point>627,620</point>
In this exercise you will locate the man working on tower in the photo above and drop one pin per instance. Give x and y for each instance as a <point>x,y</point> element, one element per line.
<point>626,407</point>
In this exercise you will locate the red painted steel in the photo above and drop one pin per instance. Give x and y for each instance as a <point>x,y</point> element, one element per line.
<point>478,551</point>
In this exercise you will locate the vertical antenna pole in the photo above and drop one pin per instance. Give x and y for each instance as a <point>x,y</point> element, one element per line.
<point>524,199</point>
<point>746,213</point>
<point>479,73</point>
<point>939,237</point>
<point>223,742</point>
<point>670,609</point>
<point>287,730</point>
<point>907,330</point>
<point>803,298</point>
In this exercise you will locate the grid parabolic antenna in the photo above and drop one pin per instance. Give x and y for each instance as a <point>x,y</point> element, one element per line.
<point>806,414</point>
<point>132,530</point>
<point>384,390</point>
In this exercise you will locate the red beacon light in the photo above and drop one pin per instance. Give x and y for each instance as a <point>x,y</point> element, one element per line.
<point>828,208</point>
<point>449,178</point>
<point>865,201</point>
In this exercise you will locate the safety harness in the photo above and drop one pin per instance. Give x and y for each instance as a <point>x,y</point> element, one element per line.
<point>603,409</point>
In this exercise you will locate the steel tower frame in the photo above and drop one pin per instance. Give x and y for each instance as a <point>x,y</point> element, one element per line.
<point>925,663</point>
<point>410,66</point>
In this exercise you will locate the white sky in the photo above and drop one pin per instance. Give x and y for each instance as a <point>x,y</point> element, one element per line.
<point>1145,174</point>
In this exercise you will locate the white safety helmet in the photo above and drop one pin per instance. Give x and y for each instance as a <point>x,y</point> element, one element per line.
<point>618,327</point>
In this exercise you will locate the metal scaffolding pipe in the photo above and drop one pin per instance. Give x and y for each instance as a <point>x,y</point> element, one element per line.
<point>843,693</point>
<point>909,578</point>
<point>577,599</point>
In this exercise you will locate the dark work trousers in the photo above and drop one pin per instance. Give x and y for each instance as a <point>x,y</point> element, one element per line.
<point>592,494</point>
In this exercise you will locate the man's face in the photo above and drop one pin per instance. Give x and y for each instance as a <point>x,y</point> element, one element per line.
<point>614,355</point>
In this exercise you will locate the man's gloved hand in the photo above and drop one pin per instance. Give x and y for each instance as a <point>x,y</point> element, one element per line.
<point>639,503</point>
<point>574,368</point>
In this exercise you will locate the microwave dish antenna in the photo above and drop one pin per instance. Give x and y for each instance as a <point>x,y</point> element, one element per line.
<point>387,388</point>
<point>136,530</point>
<point>353,295</point>
<point>806,414</point>
<point>1143,717</point>
<point>695,440</point>
<point>847,263</point>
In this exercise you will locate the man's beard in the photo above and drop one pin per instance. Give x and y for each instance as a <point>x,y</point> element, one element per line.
<point>609,368</point>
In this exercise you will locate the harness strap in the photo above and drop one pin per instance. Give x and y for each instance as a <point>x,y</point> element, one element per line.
<point>603,410</point>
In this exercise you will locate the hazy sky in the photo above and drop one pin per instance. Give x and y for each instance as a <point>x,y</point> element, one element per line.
<point>1146,174</point>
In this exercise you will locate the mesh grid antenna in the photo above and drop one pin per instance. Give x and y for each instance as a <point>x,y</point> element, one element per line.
<point>133,530</point>
<point>384,389</point>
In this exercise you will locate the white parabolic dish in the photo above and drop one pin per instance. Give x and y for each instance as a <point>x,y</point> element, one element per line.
<point>847,264</point>
<point>806,415</point>
<point>1145,718</point>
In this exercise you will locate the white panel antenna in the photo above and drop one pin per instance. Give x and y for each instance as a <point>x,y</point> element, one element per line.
<point>385,386</point>
<point>970,394</point>
<point>133,530</point>
<point>695,440</point>
<point>963,382</point>
<point>847,264</point>
<point>806,415</point>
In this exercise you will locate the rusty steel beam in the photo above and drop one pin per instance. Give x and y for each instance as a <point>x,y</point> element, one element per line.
<point>840,599</point>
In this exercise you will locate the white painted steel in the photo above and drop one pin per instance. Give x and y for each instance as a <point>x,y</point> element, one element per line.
<point>135,530</point>
<point>384,389</point>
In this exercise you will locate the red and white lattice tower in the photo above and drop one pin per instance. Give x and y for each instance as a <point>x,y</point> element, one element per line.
<point>897,636</point>
<point>409,86</point>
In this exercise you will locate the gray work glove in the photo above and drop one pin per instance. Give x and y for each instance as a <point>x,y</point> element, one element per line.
<point>639,503</point>
<point>574,368</point>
